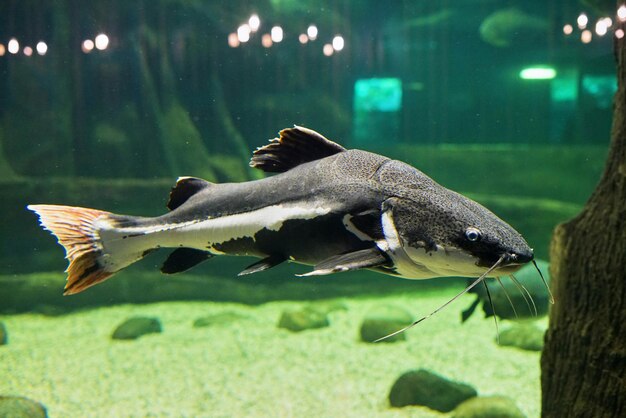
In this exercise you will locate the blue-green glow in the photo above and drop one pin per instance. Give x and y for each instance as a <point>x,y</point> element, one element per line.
<point>378,94</point>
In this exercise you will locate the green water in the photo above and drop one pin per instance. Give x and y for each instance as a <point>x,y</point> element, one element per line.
<point>175,89</point>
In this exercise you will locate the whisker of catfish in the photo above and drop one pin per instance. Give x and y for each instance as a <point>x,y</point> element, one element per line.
<point>519,287</point>
<point>544,282</point>
<point>507,297</point>
<point>493,309</point>
<point>467,289</point>
<point>534,311</point>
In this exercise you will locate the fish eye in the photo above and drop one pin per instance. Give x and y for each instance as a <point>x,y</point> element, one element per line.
<point>472,234</point>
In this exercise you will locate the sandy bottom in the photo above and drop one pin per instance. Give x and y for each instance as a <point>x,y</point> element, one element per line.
<point>250,368</point>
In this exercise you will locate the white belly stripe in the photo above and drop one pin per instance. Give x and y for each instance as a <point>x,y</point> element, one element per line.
<point>205,233</point>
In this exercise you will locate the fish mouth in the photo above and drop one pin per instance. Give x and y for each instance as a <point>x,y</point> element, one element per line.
<point>509,268</point>
<point>509,262</point>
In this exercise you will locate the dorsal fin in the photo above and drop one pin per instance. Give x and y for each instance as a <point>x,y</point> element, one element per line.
<point>293,147</point>
<point>185,188</point>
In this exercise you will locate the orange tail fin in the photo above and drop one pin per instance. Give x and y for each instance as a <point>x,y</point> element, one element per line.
<point>76,230</point>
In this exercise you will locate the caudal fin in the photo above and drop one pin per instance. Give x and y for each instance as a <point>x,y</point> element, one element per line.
<point>76,230</point>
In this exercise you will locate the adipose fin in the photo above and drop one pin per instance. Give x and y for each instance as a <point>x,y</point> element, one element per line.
<point>185,188</point>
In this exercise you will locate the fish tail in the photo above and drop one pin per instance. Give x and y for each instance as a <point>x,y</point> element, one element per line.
<point>78,231</point>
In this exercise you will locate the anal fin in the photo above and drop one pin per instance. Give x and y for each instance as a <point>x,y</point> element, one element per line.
<point>182,259</point>
<point>361,259</point>
<point>266,263</point>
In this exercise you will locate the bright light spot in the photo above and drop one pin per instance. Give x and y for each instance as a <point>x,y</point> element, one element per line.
<point>42,48</point>
<point>266,40</point>
<point>607,21</point>
<point>87,46</point>
<point>328,50</point>
<point>13,46</point>
<point>568,29</point>
<point>243,33</point>
<point>538,73</point>
<point>601,28</point>
<point>312,32</point>
<point>233,40</point>
<point>338,43</point>
<point>621,13</point>
<point>277,34</point>
<point>28,51</point>
<point>254,22</point>
<point>619,33</point>
<point>582,21</point>
<point>586,36</point>
<point>303,38</point>
<point>2,50</point>
<point>102,41</point>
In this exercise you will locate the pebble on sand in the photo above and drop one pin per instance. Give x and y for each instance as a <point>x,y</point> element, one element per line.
<point>20,407</point>
<point>488,407</point>
<point>525,336</point>
<point>302,319</point>
<point>424,388</point>
<point>383,320</point>
<point>221,318</point>
<point>4,336</point>
<point>135,327</point>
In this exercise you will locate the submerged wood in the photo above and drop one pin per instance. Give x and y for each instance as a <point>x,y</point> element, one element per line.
<point>584,360</point>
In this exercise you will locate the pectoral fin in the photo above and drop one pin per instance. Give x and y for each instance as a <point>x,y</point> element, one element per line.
<point>266,263</point>
<point>361,259</point>
<point>182,259</point>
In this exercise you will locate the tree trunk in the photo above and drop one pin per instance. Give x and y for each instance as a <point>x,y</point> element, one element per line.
<point>584,360</point>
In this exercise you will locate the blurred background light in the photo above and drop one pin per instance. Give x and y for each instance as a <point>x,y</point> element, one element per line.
<point>42,48</point>
<point>568,29</point>
<point>87,46</point>
<point>328,50</point>
<point>102,42</point>
<point>243,33</point>
<point>619,33</point>
<point>538,73</point>
<point>28,51</point>
<point>312,32</point>
<point>277,34</point>
<point>266,40</point>
<point>338,43</point>
<point>303,38</point>
<point>233,40</point>
<point>2,50</point>
<point>586,36</point>
<point>621,13</point>
<point>13,46</point>
<point>254,22</point>
<point>582,21</point>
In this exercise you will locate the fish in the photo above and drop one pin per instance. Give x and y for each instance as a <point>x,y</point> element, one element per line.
<point>322,205</point>
<point>504,27</point>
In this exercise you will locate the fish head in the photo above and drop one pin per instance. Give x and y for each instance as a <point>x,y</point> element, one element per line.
<point>447,234</point>
<point>451,235</point>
